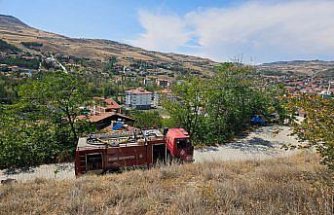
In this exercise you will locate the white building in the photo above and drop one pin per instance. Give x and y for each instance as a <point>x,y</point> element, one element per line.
<point>138,98</point>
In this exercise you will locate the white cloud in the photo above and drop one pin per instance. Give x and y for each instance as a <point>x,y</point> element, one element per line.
<point>162,32</point>
<point>266,32</point>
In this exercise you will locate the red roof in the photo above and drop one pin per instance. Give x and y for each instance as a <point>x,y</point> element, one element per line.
<point>97,117</point>
<point>101,116</point>
<point>111,103</point>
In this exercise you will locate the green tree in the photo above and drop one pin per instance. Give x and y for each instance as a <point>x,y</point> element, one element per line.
<point>59,96</point>
<point>25,142</point>
<point>147,119</point>
<point>318,126</point>
<point>215,110</point>
<point>186,110</point>
<point>110,64</point>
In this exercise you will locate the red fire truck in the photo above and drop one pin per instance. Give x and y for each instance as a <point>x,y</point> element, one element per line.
<point>99,153</point>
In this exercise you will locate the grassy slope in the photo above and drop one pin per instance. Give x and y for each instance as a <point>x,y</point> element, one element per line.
<point>294,185</point>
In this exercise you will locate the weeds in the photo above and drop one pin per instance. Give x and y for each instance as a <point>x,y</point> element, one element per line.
<point>293,185</point>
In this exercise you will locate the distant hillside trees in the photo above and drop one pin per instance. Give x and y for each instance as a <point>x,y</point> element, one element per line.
<point>21,62</point>
<point>110,64</point>
<point>6,47</point>
<point>32,44</point>
<point>8,89</point>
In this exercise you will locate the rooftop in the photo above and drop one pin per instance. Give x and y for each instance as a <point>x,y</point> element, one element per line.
<point>138,91</point>
<point>101,116</point>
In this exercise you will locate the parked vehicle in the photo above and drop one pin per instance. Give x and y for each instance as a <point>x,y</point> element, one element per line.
<point>258,120</point>
<point>99,153</point>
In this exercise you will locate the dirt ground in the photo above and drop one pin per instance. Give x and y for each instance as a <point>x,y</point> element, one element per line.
<point>263,143</point>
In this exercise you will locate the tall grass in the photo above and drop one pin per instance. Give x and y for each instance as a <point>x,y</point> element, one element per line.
<point>293,185</point>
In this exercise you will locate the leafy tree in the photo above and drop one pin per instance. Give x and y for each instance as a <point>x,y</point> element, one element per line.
<point>318,126</point>
<point>25,142</point>
<point>109,66</point>
<point>186,110</point>
<point>147,119</point>
<point>58,95</point>
<point>213,111</point>
<point>42,126</point>
<point>21,62</point>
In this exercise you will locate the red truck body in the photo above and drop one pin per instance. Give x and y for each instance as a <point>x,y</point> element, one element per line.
<point>101,153</point>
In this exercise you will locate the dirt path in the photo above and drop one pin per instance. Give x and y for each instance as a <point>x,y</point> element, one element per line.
<point>264,143</point>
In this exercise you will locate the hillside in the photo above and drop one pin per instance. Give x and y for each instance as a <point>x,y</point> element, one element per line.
<point>293,185</point>
<point>300,67</point>
<point>17,33</point>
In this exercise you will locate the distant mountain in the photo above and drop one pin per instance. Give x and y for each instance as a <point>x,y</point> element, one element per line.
<point>302,67</point>
<point>16,32</point>
<point>11,21</point>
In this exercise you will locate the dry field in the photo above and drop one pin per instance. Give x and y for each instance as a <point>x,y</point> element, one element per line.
<point>292,185</point>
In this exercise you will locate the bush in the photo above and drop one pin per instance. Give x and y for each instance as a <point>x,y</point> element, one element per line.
<point>4,46</point>
<point>147,119</point>
<point>16,61</point>
<point>32,44</point>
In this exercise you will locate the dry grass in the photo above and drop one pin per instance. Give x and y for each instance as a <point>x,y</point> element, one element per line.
<point>294,185</point>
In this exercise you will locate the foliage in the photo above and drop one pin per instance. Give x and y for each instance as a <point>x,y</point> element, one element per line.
<point>21,62</point>
<point>32,44</point>
<point>42,126</point>
<point>291,185</point>
<point>318,126</point>
<point>186,111</point>
<point>59,95</point>
<point>4,46</point>
<point>25,143</point>
<point>8,89</point>
<point>147,119</point>
<point>215,110</point>
<point>109,66</point>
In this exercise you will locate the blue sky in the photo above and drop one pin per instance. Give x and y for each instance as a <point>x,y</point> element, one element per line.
<point>251,31</point>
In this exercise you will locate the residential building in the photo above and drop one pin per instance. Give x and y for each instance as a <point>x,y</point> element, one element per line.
<point>138,98</point>
<point>162,83</point>
<point>106,120</point>
<point>104,105</point>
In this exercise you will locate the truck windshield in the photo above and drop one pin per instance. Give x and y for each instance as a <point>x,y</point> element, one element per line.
<point>183,143</point>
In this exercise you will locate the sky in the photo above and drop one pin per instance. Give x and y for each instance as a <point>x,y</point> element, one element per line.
<point>250,31</point>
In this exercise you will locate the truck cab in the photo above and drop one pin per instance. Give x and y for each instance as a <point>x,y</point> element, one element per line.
<point>179,145</point>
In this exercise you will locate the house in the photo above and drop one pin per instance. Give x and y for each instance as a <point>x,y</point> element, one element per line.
<point>138,98</point>
<point>107,119</point>
<point>104,105</point>
<point>162,83</point>
<point>148,82</point>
